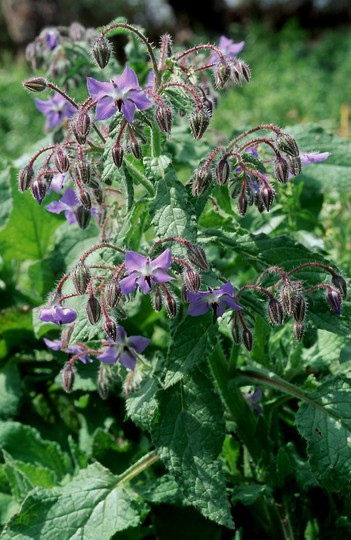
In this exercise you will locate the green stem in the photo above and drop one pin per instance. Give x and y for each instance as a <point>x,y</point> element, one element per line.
<point>155,142</point>
<point>141,465</point>
<point>140,177</point>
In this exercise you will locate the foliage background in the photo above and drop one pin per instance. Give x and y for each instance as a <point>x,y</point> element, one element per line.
<point>299,78</point>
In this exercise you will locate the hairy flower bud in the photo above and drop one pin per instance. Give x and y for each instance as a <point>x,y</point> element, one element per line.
<point>136,149</point>
<point>286,143</point>
<point>242,203</point>
<point>39,188</point>
<point>84,198</point>
<point>197,256</point>
<point>334,300</point>
<point>299,328</point>
<point>80,277</point>
<point>192,280</point>
<point>247,338</point>
<point>81,170</point>
<point>98,194</point>
<point>275,311</point>
<point>83,217</point>
<point>202,180</point>
<point>199,121</point>
<point>157,299</point>
<point>164,117</point>
<point>236,331</point>
<point>281,170</point>
<point>267,196</point>
<point>222,171</point>
<point>288,296</point>
<point>101,51</point>
<point>66,336</point>
<point>93,309</point>
<point>68,376</point>
<point>222,74</point>
<point>294,164</point>
<point>171,305</point>
<point>117,155</point>
<point>110,327</point>
<point>25,178</point>
<point>61,159</point>
<point>35,84</point>
<point>80,126</point>
<point>103,386</point>
<point>340,283</point>
<point>299,311</point>
<point>112,293</point>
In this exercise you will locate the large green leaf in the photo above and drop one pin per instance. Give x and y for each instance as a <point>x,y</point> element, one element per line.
<point>5,193</point>
<point>29,232</point>
<point>10,390</point>
<point>324,420</point>
<point>93,505</point>
<point>192,343</point>
<point>189,439</point>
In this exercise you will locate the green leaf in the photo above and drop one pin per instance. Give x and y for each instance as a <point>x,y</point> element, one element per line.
<point>10,390</point>
<point>141,404</point>
<point>192,343</point>
<point>189,438</point>
<point>16,329</point>
<point>24,444</point>
<point>93,505</point>
<point>5,194</point>
<point>324,420</point>
<point>171,211</point>
<point>29,232</point>
<point>248,494</point>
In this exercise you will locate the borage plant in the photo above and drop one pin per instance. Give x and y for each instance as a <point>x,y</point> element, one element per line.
<point>211,341</point>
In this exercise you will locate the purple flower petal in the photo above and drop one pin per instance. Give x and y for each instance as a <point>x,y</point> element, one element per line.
<point>127,81</point>
<point>143,284</point>
<point>128,110</point>
<point>160,276</point>
<point>313,157</point>
<point>163,261</point>
<point>69,197</point>
<point>54,345</point>
<point>109,356</point>
<point>134,261</point>
<point>128,360</point>
<point>140,99</point>
<point>105,108</point>
<point>139,343</point>
<point>97,90</point>
<point>128,284</point>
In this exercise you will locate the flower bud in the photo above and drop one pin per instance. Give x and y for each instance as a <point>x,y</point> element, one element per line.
<point>103,386</point>
<point>136,149</point>
<point>299,311</point>
<point>66,336</point>
<point>247,338</point>
<point>281,170</point>
<point>163,117</point>
<point>275,311</point>
<point>286,143</point>
<point>157,299</point>
<point>84,198</point>
<point>80,277</point>
<point>299,328</point>
<point>101,52</point>
<point>197,256</point>
<point>76,31</point>
<point>61,159</point>
<point>25,178</point>
<point>236,331</point>
<point>117,155</point>
<point>267,196</point>
<point>334,300</point>
<point>83,217</point>
<point>93,309</point>
<point>35,84</point>
<point>110,327</point>
<point>245,70</point>
<point>242,203</point>
<point>171,305</point>
<point>222,74</point>
<point>68,376</point>
<point>340,283</point>
<point>288,296</point>
<point>192,280</point>
<point>99,195</point>
<point>202,180</point>
<point>81,170</point>
<point>80,126</point>
<point>112,293</point>
<point>39,189</point>
<point>294,164</point>
<point>222,171</point>
<point>199,121</point>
